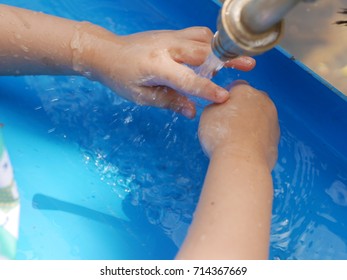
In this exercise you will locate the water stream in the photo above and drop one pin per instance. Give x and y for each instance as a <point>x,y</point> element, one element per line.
<point>210,67</point>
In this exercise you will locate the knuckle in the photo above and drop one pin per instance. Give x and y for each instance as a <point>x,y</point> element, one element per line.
<point>207,31</point>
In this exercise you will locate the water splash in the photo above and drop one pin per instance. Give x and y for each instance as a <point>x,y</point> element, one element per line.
<point>211,66</point>
<point>118,140</point>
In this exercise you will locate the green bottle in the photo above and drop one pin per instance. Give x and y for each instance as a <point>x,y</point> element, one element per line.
<point>9,206</point>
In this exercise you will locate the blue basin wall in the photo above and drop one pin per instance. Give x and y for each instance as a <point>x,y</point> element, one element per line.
<point>101,178</point>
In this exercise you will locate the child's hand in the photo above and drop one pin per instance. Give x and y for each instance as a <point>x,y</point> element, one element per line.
<point>246,125</point>
<point>148,68</point>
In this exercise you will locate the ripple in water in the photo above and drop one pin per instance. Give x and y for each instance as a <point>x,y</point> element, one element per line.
<point>153,164</point>
<point>309,191</point>
<point>152,161</point>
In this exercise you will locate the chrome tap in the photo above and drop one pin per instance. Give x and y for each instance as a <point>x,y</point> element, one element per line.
<point>249,27</point>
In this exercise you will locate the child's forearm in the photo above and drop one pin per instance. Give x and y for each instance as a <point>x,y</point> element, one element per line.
<point>34,43</point>
<point>233,217</point>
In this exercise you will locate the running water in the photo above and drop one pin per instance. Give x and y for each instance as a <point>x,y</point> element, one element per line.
<point>211,66</point>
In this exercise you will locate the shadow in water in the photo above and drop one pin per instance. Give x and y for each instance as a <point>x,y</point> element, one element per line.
<point>137,231</point>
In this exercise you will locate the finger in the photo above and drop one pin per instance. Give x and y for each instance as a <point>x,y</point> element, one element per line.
<point>184,80</point>
<point>167,98</point>
<point>244,63</point>
<point>236,83</point>
<point>245,84</point>
<point>200,34</point>
<point>191,52</point>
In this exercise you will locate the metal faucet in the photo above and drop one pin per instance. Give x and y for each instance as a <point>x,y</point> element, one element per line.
<point>249,27</point>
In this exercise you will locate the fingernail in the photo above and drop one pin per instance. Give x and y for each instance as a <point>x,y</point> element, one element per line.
<point>247,60</point>
<point>239,82</point>
<point>222,94</point>
<point>187,113</point>
<point>236,83</point>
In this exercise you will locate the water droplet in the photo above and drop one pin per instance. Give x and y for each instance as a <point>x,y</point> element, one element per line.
<point>24,48</point>
<point>338,193</point>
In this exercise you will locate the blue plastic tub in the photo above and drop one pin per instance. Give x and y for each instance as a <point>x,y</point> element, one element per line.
<point>101,178</point>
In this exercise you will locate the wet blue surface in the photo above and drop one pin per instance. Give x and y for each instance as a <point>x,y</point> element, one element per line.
<point>101,178</point>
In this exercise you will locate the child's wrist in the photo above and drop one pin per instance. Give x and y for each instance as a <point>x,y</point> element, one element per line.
<point>88,44</point>
<point>256,157</point>
<point>79,48</point>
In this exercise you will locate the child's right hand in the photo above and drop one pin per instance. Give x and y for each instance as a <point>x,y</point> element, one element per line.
<point>149,68</point>
<point>246,125</point>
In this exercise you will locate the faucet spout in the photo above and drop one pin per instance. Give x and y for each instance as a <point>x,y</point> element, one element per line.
<point>261,15</point>
<point>249,27</point>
